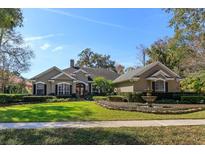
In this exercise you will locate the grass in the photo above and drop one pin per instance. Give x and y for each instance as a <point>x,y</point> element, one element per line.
<point>95,136</point>
<point>77,111</point>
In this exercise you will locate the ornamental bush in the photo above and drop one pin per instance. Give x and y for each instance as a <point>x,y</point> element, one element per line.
<point>100,98</point>
<point>117,98</point>
<point>133,97</point>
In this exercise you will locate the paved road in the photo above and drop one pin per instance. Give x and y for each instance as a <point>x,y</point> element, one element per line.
<point>90,124</point>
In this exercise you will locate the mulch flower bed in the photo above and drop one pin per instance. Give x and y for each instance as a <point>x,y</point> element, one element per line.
<point>157,108</point>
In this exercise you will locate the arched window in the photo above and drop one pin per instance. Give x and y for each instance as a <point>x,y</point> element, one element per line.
<point>40,88</point>
<point>160,86</point>
<point>63,89</point>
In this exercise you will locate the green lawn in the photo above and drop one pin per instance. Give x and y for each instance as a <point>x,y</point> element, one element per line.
<point>146,135</point>
<point>73,111</point>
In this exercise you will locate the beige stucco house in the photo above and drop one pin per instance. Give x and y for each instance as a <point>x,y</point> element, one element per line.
<point>155,76</point>
<point>69,81</point>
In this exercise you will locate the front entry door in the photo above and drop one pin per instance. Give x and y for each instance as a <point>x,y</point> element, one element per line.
<point>80,89</point>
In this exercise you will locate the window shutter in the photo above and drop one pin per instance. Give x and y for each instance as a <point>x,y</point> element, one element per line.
<point>71,90</point>
<point>89,88</point>
<point>56,89</point>
<point>166,87</point>
<point>153,86</point>
<point>45,89</point>
<point>34,89</point>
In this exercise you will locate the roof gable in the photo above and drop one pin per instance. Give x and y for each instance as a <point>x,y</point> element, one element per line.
<point>152,65</point>
<point>160,73</point>
<point>141,71</point>
<point>46,73</point>
<point>63,75</point>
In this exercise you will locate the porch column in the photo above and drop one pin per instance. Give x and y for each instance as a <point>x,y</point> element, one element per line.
<point>74,88</point>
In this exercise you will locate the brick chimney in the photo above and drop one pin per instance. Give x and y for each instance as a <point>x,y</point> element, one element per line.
<point>72,63</point>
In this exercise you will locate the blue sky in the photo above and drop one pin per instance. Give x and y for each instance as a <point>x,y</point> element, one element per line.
<point>58,35</point>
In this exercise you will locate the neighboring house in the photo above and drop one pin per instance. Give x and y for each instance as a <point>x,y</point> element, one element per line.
<point>154,76</point>
<point>69,81</point>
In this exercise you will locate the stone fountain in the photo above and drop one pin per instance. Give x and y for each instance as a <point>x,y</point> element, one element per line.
<point>149,98</point>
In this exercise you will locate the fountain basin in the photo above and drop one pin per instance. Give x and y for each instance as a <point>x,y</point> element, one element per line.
<point>149,99</point>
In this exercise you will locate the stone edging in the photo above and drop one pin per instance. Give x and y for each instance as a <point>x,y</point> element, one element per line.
<point>149,110</point>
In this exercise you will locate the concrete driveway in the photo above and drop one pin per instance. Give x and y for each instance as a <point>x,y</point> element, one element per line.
<point>90,124</point>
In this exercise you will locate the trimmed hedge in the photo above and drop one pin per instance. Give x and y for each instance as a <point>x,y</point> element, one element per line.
<point>37,98</point>
<point>100,98</point>
<point>193,99</point>
<point>133,97</point>
<point>11,98</point>
<point>174,95</point>
<point>117,98</point>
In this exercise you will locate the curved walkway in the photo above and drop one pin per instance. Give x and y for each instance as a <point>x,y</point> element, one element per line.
<point>90,124</point>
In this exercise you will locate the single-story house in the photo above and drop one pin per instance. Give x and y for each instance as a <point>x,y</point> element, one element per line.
<point>69,81</point>
<point>155,76</point>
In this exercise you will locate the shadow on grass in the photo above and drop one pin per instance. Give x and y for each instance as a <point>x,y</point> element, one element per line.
<point>65,136</point>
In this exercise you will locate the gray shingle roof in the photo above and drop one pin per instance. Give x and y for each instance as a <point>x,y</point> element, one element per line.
<point>137,72</point>
<point>95,72</point>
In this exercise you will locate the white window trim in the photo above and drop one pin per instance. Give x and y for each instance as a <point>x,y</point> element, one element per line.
<point>65,83</point>
<point>81,82</point>
<point>164,85</point>
<point>39,82</point>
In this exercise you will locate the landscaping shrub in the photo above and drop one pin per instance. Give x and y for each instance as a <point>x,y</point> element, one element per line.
<point>11,98</point>
<point>37,98</point>
<point>193,99</point>
<point>117,98</point>
<point>100,98</point>
<point>133,97</point>
<point>168,101</point>
<point>174,95</point>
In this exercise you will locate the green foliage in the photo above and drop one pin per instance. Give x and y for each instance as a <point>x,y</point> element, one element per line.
<point>100,98</point>
<point>104,86</point>
<point>90,58</point>
<point>37,98</point>
<point>11,98</point>
<point>16,89</point>
<point>194,83</point>
<point>188,22</point>
<point>193,99</point>
<point>11,18</point>
<point>117,98</point>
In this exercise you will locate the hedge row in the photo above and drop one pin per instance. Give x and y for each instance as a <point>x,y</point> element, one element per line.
<point>174,95</point>
<point>11,98</point>
<point>117,98</point>
<point>100,98</point>
<point>113,98</point>
<point>37,98</point>
<point>16,98</point>
<point>193,99</point>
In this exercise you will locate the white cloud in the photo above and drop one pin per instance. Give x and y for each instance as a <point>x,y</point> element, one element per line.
<point>45,46</point>
<point>85,18</point>
<point>41,37</point>
<point>57,48</point>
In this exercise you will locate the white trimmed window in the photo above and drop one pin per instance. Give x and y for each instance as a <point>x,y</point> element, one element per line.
<point>63,89</point>
<point>160,86</point>
<point>40,88</point>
